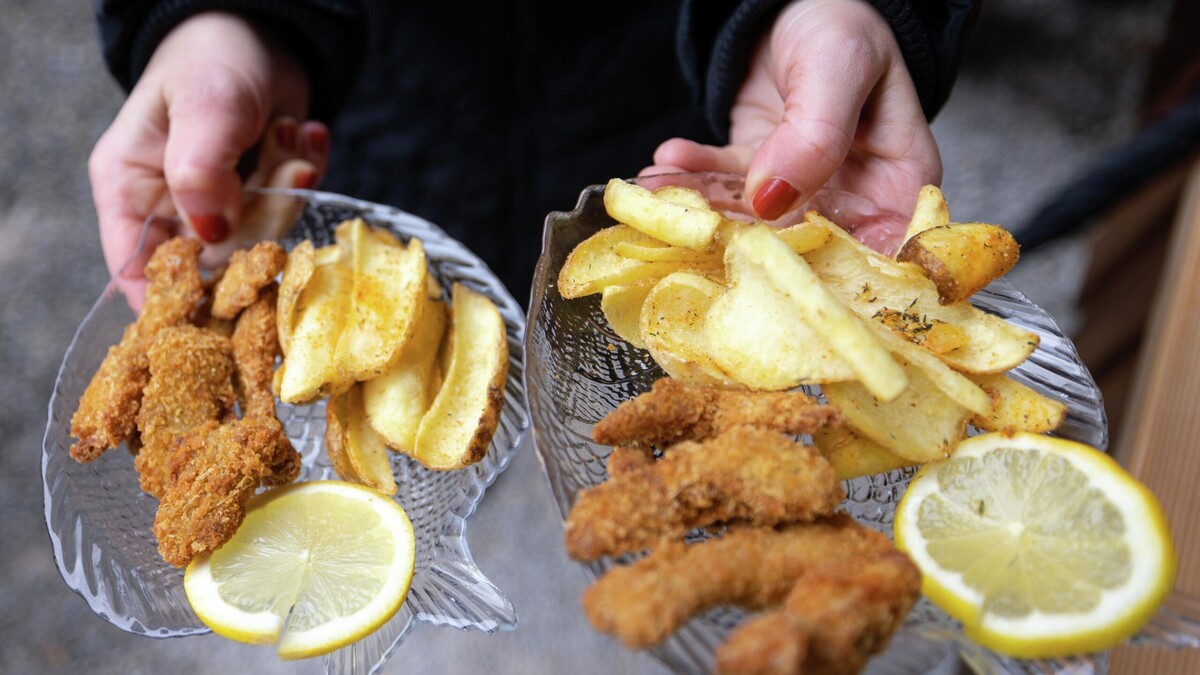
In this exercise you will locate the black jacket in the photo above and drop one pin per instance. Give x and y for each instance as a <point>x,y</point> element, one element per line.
<point>484,120</point>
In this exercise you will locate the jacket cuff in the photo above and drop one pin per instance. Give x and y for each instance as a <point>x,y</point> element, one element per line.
<point>715,43</point>
<point>326,37</point>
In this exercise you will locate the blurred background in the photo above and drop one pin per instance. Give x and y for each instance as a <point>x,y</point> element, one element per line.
<point>1044,96</point>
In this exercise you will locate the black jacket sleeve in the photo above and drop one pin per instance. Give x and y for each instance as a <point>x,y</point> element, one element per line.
<point>327,37</point>
<point>716,39</point>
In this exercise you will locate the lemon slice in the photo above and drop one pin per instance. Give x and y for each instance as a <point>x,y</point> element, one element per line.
<point>1042,547</point>
<point>314,566</point>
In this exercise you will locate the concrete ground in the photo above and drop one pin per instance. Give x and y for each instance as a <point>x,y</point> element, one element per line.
<point>1042,93</point>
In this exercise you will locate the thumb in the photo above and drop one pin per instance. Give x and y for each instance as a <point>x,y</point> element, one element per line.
<point>208,134</point>
<point>822,105</point>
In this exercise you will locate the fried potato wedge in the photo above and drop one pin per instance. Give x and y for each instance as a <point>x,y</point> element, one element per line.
<point>660,252</point>
<point>805,236</point>
<point>954,384</point>
<point>658,216</point>
<point>931,211</point>
<point>1016,407</point>
<point>852,455</point>
<point>622,307</point>
<point>310,369</point>
<point>672,327</point>
<point>920,425</point>
<point>845,334</point>
<point>462,419</point>
<point>872,284</point>
<point>595,264</point>
<point>357,453</point>
<point>388,282</point>
<point>296,272</point>
<point>753,332</point>
<point>961,258</point>
<point>684,196</point>
<point>397,400</point>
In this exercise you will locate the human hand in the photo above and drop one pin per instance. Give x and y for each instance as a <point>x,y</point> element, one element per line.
<point>827,102</point>
<point>204,100</point>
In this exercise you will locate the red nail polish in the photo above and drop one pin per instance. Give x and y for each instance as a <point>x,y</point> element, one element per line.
<point>305,180</point>
<point>318,141</point>
<point>212,228</point>
<point>285,136</point>
<point>774,198</point>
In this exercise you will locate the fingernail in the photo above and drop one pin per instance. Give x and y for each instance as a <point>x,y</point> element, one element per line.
<point>318,141</point>
<point>305,180</point>
<point>773,198</point>
<point>285,135</point>
<point>211,227</point>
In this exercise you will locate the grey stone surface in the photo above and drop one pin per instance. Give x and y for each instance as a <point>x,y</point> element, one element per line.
<point>1041,94</point>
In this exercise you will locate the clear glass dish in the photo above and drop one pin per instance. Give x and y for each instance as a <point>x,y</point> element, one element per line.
<point>578,370</point>
<point>100,521</point>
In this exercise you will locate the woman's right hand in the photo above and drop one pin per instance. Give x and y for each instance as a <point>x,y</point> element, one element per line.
<point>205,99</point>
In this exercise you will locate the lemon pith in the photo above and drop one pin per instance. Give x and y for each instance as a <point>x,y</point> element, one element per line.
<point>1040,546</point>
<point>314,566</point>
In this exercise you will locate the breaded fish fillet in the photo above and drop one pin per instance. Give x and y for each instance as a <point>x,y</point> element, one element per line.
<point>754,567</point>
<point>255,346</point>
<point>108,409</point>
<point>674,411</point>
<point>191,383</point>
<point>216,468</point>
<point>249,272</point>
<point>836,617</point>
<point>629,458</point>
<point>747,474</point>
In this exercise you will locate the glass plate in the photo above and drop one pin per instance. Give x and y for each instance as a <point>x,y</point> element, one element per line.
<point>579,370</point>
<point>100,522</point>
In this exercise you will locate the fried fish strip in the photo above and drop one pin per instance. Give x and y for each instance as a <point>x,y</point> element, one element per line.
<point>674,411</point>
<point>626,459</point>
<point>216,468</point>
<point>754,567</point>
<point>108,409</point>
<point>836,617</point>
<point>191,382</point>
<point>248,273</point>
<point>747,474</point>
<point>255,346</point>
